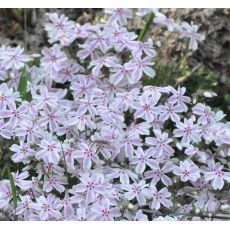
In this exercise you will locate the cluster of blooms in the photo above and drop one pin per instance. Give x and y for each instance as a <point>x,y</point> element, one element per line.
<point>93,143</point>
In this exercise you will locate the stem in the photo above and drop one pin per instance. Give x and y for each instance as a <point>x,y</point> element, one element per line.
<point>65,164</point>
<point>146,27</point>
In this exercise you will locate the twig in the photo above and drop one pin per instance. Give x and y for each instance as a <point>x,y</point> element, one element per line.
<point>184,78</point>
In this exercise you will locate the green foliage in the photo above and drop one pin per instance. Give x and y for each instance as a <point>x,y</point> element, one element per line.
<point>202,79</point>
<point>22,88</point>
<point>146,27</point>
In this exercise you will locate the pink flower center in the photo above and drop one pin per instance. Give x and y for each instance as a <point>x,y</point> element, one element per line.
<point>146,107</point>
<point>186,173</point>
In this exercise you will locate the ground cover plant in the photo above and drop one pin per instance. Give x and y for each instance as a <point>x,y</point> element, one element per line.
<point>88,140</point>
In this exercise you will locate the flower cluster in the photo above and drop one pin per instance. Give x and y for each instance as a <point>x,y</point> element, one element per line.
<point>92,142</point>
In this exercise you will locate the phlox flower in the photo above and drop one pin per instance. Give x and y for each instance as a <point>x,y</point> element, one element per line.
<point>157,173</point>
<point>50,151</point>
<point>188,131</point>
<point>205,114</point>
<point>138,191</point>
<point>146,108</point>
<point>14,58</point>
<point>190,31</point>
<point>91,186</point>
<point>52,59</point>
<point>160,197</point>
<point>104,212</point>
<point>187,171</point>
<point>5,193</point>
<point>87,154</point>
<point>14,114</point>
<point>124,175</point>
<point>22,152</point>
<point>141,159</point>
<point>55,182</point>
<point>23,207</point>
<point>161,143</point>
<point>179,98</point>
<point>47,208</point>
<point>138,66</point>
<point>163,20</point>
<point>217,176</point>
<point>119,15</point>
<point>4,132</point>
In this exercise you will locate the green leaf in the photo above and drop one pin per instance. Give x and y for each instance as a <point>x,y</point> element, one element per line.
<point>22,88</point>
<point>148,23</point>
<point>13,188</point>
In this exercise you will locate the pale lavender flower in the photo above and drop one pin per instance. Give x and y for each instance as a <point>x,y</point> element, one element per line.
<point>139,216</point>
<point>129,141</point>
<point>45,98</point>
<point>82,87</point>
<point>51,117</point>
<point>70,154</point>
<point>117,34</point>
<point>141,159</point>
<point>187,171</point>
<point>98,41</point>
<point>190,31</point>
<point>28,131</point>
<point>205,114</point>
<point>124,175</point>
<point>155,91</point>
<point>169,110</point>
<point>179,98</point>
<point>119,15</point>
<point>143,11</point>
<point>49,152</point>
<point>105,61</point>
<point>13,58</point>
<point>138,66</point>
<point>157,174</point>
<point>141,128</point>
<point>87,154</point>
<point>138,48</point>
<point>120,72</point>
<point>124,100</point>
<point>87,104</point>
<point>104,212</point>
<point>68,72</point>
<point>54,182</point>
<point>146,108</point>
<point>217,176</point>
<point>188,131</point>
<point>59,25</point>
<point>161,143</point>
<point>160,197</point>
<point>47,208</point>
<point>22,152</point>
<point>5,193</point>
<point>91,186</point>
<point>138,191</point>
<point>14,114</point>
<point>7,96</point>
<point>163,20</point>
<point>19,180</point>
<point>53,59</point>
<point>4,132</point>
<point>80,31</point>
<point>23,207</point>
